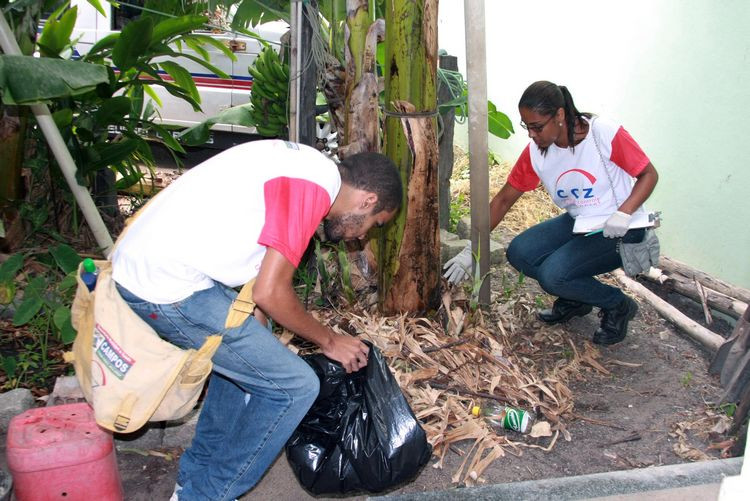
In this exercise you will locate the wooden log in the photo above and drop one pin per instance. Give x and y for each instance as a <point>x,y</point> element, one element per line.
<point>707,338</point>
<point>682,285</point>
<point>706,280</point>
<point>704,302</point>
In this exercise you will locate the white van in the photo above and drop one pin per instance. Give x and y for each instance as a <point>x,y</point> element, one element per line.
<point>217,94</point>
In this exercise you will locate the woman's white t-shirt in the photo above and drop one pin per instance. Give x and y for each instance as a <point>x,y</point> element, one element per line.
<point>576,179</point>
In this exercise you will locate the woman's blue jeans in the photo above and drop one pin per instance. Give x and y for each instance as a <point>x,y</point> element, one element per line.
<point>565,263</point>
<point>236,439</point>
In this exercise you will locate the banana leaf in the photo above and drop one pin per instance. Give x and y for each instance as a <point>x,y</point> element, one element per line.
<point>30,80</point>
<point>199,134</point>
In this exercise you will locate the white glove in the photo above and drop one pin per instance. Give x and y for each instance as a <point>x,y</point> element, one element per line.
<point>459,266</point>
<point>617,225</point>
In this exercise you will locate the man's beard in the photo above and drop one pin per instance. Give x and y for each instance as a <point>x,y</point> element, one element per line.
<point>335,228</point>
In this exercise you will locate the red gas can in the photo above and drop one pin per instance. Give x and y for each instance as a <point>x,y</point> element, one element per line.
<point>59,453</point>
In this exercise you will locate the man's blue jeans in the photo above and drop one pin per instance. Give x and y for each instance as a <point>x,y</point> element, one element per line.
<point>236,439</point>
<point>565,263</point>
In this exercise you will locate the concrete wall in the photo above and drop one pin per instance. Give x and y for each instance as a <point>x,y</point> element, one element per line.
<point>675,73</point>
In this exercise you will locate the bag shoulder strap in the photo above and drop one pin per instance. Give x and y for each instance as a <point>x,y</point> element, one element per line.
<point>242,307</point>
<point>604,164</point>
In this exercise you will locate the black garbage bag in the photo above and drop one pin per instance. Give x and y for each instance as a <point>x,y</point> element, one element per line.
<point>360,434</point>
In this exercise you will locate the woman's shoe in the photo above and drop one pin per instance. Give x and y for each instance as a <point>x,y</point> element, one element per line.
<point>563,310</point>
<point>615,320</point>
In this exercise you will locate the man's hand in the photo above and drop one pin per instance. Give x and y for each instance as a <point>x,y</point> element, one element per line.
<point>617,225</point>
<point>348,351</point>
<point>459,266</point>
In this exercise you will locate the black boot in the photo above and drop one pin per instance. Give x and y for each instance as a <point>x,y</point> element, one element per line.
<point>563,310</point>
<point>615,322</point>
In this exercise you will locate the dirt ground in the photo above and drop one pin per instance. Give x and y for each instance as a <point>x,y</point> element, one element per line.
<point>652,407</point>
<point>652,404</point>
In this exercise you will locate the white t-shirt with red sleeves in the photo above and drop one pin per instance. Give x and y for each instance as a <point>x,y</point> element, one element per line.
<point>215,222</point>
<point>576,179</point>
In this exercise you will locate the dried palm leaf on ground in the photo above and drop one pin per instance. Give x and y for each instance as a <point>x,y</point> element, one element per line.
<point>711,424</point>
<point>444,372</point>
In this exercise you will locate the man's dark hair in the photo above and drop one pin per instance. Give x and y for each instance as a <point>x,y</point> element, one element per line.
<point>375,173</point>
<point>546,98</point>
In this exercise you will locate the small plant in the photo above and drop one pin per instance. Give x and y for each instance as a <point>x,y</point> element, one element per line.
<point>325,277</point>
<point>539,301</point>
<point>492,158</point>
<point>458,209</point>
<point>41,302</point>
<point>728,408</point>
<point>307,276</point>
<point>509,288</point>
<point>476,284</point>
<point>687,378</point>
<point>346,275</point>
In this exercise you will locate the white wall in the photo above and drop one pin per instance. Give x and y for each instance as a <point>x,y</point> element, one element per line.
<point>675,73</point>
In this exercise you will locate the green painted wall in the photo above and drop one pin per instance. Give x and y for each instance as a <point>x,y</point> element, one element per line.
<point>675,73</point>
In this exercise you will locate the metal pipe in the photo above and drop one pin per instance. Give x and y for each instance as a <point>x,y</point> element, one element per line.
<point>57,145</point>
<point>476,73</point>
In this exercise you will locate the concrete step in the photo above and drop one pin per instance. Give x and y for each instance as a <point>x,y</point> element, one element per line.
<point>679,482</point>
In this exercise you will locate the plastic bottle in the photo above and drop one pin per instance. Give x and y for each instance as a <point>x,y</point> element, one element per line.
<point>89,273</point>
<point>501,417</point>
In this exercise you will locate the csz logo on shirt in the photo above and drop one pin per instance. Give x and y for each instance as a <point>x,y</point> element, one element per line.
<point>576,187</point>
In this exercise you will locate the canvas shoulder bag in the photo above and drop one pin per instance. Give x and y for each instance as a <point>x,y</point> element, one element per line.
<point>128,373</point>
<point>637,257</point>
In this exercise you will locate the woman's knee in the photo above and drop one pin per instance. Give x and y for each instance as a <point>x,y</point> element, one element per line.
<point>514,254</point>
<point>550,279</point>
<point>517,254</point>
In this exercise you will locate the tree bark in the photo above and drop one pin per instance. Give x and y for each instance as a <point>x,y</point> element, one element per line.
<point>13,123</point>
<point>706,280</point>
<point>408,248</point>
<point>414,287</point>
<point>362,130</point>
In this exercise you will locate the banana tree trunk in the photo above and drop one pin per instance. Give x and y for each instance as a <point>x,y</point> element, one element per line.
<point>362,130</point>
<point>409,248</point>
<point>12,131</point>
<point>13,121</point>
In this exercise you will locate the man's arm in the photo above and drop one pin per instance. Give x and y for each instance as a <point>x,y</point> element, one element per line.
<point>273,293</point>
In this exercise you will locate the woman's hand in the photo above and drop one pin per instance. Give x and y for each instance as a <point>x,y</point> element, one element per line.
<point>617,225</point>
